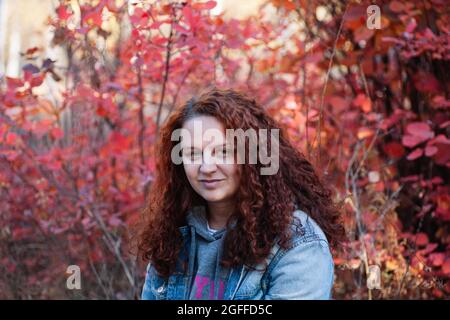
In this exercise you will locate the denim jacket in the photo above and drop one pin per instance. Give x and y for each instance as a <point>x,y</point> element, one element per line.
<point>303,271</point>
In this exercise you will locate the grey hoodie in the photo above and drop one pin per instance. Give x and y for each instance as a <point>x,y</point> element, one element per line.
<point>210,278</point>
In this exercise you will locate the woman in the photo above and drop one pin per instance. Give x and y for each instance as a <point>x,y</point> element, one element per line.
<point>217,227</point>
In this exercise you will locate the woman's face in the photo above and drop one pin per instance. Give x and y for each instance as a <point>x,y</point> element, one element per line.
<point>208,171</point>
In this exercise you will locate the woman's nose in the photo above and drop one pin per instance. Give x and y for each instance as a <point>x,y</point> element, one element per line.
<point>208,167</point>
<point>208,164</point>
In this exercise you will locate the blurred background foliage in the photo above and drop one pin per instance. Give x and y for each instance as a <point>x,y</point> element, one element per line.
<point>85,89</point>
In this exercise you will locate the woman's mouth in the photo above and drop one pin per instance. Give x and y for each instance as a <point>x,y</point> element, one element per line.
<point>211,183</point>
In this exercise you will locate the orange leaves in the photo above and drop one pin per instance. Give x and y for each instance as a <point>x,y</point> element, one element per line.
<point>363,102</point>
<point>364,132</point>
<point>287,4</point>
<point>286,64</point>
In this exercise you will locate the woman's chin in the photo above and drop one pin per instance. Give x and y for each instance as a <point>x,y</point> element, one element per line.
<point>213,196</point>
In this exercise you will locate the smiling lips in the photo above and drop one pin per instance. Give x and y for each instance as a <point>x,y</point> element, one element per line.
<point>210,183</point>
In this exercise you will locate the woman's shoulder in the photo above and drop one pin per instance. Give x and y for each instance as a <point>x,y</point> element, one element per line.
<point>305,228</point>
<point>308,242</point>
<point>304,270</point>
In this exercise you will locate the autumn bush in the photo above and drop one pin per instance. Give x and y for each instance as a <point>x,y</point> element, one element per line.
<point>369,107</point>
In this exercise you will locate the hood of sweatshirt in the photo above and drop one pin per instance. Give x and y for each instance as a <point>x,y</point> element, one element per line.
<point>197,218</point>
<point>207,248</point>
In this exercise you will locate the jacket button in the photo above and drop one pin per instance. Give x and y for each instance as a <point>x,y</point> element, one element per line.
<point>160,289</point>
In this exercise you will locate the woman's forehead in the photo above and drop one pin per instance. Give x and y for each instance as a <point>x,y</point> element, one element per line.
<point>203,131</point>
<point>203,122</point>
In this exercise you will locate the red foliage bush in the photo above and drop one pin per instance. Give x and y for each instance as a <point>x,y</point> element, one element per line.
<point>369,106</point>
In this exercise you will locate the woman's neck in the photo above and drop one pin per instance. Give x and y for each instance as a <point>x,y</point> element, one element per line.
<point>218,213</point>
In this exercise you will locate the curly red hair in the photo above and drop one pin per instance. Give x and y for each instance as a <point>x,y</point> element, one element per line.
<point>265,203</point>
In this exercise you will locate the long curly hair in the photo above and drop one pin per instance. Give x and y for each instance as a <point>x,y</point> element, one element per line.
<point>265,203</point>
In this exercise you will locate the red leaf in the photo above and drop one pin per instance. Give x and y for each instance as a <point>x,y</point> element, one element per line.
<point>63,13</point>
<point>415,154</point>
<point>430,151</point>
<point>338,103</point>
<point>363,33</point>
<point>31,51</point>
<point>192,19</point>
<point>426,82</point>
<point>440,139</point>
<point>442,156</point>
<point>20,233</point>
<point>444,124</point>
<point>11,138</point>
<point>101,111</point>
<point>11,155</point>
<point>204,5</point>
<point>437,259</point>
<point>363,102</point>
<point>42,127</point>
<point>396,6</point>
<point>421,239</point>
<point>411,26</point>
<point>114,221</point>
<point>412,141</point>
<point>420,129</point>
<point>440,102</point>
<point>394,150</point>
<point>446,266</point>
<point>37,80</point>
<point>112,6</point>
<point>57,133</point>
<point>119,143</point>
<point>14,83</point>
<point>94,18</point>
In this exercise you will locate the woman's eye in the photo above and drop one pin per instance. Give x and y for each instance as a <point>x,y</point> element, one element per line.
<point>223,152</point>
